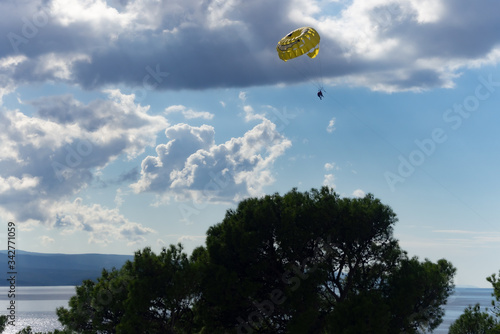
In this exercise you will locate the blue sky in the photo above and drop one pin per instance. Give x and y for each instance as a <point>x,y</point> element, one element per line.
<point>127,124</point>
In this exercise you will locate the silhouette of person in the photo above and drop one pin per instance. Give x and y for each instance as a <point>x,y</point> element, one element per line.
<point>320,94</point>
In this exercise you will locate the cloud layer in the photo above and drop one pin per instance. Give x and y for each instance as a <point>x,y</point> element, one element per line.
<point>388,45</point>
<point>47,158</point>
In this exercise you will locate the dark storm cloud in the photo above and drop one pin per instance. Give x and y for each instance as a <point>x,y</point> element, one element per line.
<point>467,29</point>
<point>231,43</point>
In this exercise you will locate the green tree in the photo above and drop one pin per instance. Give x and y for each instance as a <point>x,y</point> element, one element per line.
<point>80,315</point>
<point>415,293</point>
<point>495,282</point>
<point>301,262</point>
<point>3,322</point>
<point>307,262</point>
<point>257,257</point>
<point>97,306</point>
<point>365,312</point>
<point>151,294</point>
<point>162,293</point>
<point>473,321</point>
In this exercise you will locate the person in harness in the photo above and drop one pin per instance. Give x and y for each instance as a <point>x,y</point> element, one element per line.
<point>320,94</point>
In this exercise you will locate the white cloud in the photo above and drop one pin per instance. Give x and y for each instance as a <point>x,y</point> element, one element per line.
<point>462,232</point>
<point>192,166</point>
<point>14,184</point>
<point>329,181</point>
<point>468,238</point>
<point>92,13</point>
<point>58,66</point>
<point>217,13</point>
<point>7,67</point>
<point>46,240</point>
<point>197,238</point>
<point>242,96</point>
<point>428,11</point>
<point>250,114</point>
<point>47,158</point>
<point>331,125</point>
<point>188,113</point>
<point>174,108</point>
<point>11,61</point>
<point>119,197</point>
<point>103,225</point>
<point>358,193</point>
<point>385,34</point>
<point>330,166</point>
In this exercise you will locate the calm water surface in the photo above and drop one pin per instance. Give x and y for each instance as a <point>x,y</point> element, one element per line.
<point>35,306</point>
<point>462,298</point>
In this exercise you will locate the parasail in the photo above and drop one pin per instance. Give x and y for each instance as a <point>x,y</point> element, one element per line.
<point>301,41</point>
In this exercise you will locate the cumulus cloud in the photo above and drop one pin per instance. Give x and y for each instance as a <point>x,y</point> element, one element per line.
<point>250,114</point>
<point>412,45</point>
<point>331,125</point>
<point>388,45</point>
<point>197,238</point>
<point>54,66</point>
<point>103,225</point>
<point>47,158</point>
<point>330,166</point>
<point>13,184</point>
<point>358,193</point>
<point>7,68</point>
<point>242,96</point>
<point>329,180</point>
<point>119,198</point>
<point>192,166</point>
<point>46,240</point>
<point>188,113</point>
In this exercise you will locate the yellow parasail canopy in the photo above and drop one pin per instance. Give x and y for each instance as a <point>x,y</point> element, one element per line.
<point>299,42</point>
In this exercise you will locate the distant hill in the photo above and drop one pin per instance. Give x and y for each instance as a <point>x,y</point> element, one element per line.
<point>43,269</point>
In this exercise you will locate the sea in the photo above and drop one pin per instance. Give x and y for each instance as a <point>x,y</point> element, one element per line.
<point>35,306</point>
